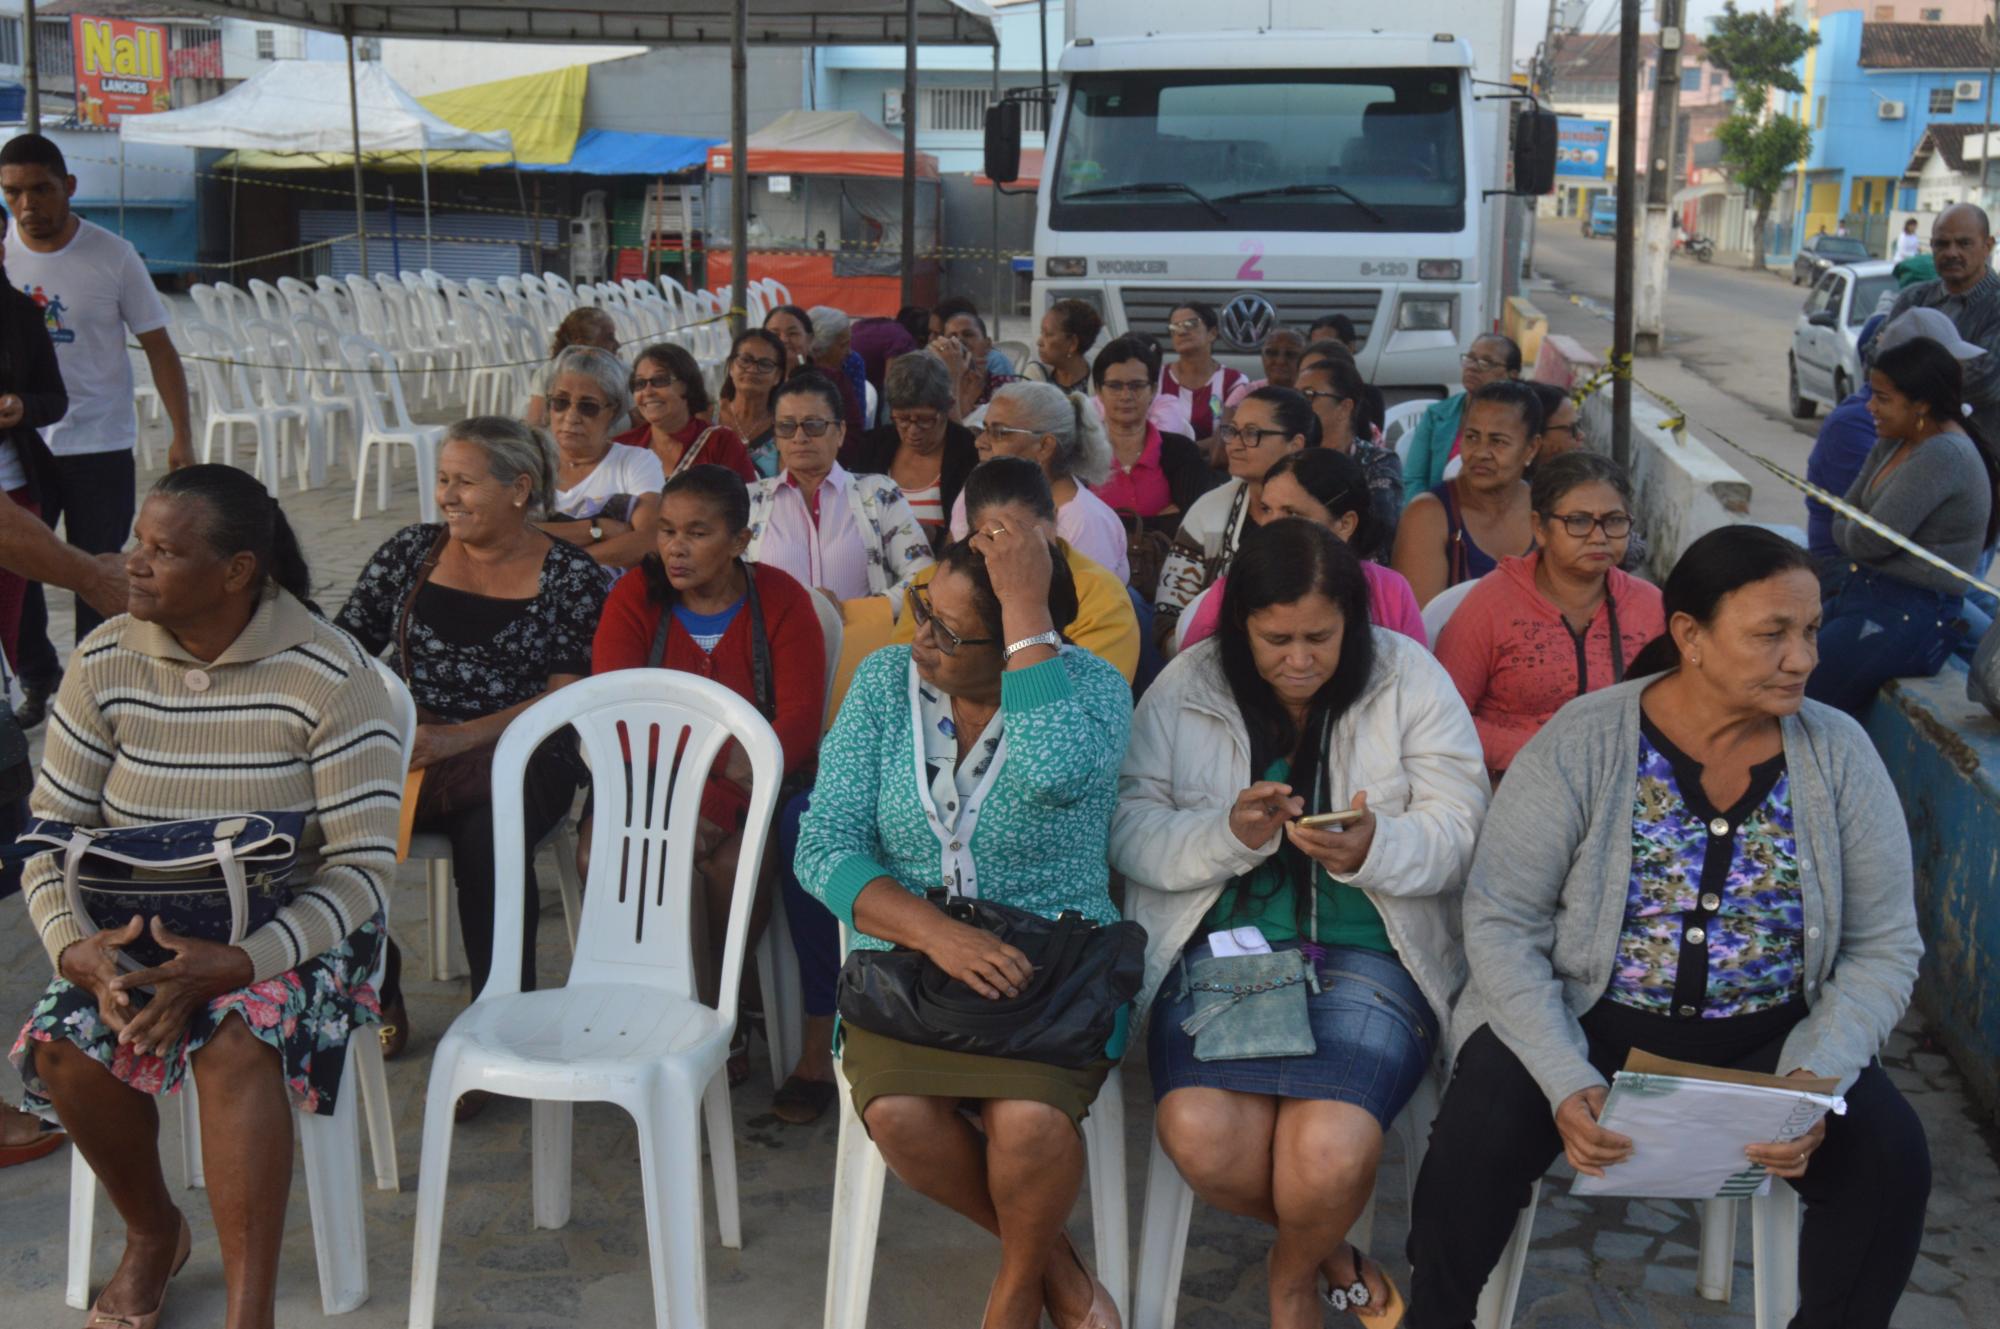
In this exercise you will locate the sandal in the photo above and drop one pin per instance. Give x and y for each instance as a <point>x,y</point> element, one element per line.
<point>103,1319</point>
<point>47,1142</point>
<point>1357,1298</point>
<point>800,1102</point>
<point>394,1031</point>
<point>739,1058</point>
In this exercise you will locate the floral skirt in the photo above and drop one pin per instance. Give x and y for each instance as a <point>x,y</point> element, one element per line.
<point>307,1014</point>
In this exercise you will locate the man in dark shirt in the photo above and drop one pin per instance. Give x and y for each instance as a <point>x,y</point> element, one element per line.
<point>1968,293</point>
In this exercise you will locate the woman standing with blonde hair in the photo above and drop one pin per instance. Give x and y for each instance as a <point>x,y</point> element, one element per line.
<point>1062,433</point>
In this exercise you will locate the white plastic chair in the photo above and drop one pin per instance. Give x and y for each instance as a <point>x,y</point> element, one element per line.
<point>860,1173</point>
<point>627,1028</point>
<point>233,406</point>
<point>386,423</point>
<point>1399,422</point>
<point>281,372</point>
<point>1442,606</point>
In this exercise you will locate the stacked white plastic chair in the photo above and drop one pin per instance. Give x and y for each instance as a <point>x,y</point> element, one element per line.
<point>231,405</point>
<point>386,423</point>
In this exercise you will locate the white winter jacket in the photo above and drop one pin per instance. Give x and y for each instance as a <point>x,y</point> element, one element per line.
<point>1408,741</point>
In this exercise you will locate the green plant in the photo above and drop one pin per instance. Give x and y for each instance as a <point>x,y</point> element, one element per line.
<point>1759,51</point>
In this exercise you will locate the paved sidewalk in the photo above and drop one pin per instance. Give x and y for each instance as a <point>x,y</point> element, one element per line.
<point>1610,1262</point>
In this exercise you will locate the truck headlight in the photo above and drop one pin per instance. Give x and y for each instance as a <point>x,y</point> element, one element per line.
<point>1421,313</point>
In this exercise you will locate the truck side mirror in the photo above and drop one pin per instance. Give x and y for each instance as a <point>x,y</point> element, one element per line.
<point>1003,142</point>
<point>1534,151</point>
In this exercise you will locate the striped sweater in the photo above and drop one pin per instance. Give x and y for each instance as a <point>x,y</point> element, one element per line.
<point>289,718</point>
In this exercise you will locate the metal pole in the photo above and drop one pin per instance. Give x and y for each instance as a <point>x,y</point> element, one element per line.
<point>31,69</point>
<point>354,127</point>
<point>424,162</point>
<point>1986,121</point>
<point>994,186</point>
<point>739,163</point>
<point>909,296</point>
<point>1628,167</point>
<point>121,185</point>
<point>1652,304</point>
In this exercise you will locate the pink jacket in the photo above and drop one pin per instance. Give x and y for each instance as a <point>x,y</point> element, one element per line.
<point>1516,661</point>
<point>1391,604</point>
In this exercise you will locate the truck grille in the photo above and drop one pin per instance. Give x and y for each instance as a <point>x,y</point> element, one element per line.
<point>1148,308</point>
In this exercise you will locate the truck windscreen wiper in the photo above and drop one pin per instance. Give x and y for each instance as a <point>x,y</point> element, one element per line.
<point>1320,187</point>
<point>1151,187</point>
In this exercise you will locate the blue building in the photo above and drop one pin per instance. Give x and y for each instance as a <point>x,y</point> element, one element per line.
<point>1872,91</point>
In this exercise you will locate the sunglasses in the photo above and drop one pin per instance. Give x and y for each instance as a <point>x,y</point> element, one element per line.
<point>587,407</point>
<point>1184,325</point>
<point>813,427</point>
<point>658,383</point>
<point>915,424</point>
<point>924,617</point>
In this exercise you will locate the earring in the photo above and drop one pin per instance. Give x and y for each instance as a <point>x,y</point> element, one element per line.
<point>1695,660</point>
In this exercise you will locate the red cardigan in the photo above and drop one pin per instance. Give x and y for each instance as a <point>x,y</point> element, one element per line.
<point>798,667</point>
<point>724,446</point>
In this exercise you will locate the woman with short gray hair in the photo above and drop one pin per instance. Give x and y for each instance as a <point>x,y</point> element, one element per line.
<point>606,498</point>
<point>832,353</point>
<point>925,451</point>
<point>1062,433</point>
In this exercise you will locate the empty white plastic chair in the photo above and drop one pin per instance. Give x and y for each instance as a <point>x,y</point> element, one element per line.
<point>1399,422</point>
<point>627,1028</point>
<point>232,405</point>
<point>386,423</point>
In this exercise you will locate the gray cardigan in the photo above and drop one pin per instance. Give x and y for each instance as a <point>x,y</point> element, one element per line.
<point>1546,896</point>
<point>1939,498</point>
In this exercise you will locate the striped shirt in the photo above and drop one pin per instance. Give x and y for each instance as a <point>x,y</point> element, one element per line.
<point>289,718</point>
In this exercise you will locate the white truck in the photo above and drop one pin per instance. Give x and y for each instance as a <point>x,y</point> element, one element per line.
<point>1284,160</point>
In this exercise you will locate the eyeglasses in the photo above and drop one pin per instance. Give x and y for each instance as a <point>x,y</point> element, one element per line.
<point>1617,525</point>
<point>658,383</point>
<point>915,424</point>
<point>1249,438</point>
<point>946,640</point>
<point>1317,394</point>
<point>1184,325</point>
<point>991,430</point>
<point>587,407</point>
<point>1481,362</point>
<point>813,426</point>
<point>755,364</point>
<point>1124,386</point>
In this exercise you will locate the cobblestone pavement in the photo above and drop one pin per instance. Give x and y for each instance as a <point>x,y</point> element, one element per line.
<point>1604,1262</point>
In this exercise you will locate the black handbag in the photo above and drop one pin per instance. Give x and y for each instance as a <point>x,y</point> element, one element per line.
<point>1084,973</point>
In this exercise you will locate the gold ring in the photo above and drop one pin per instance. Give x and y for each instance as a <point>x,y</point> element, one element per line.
<point>997,530</point>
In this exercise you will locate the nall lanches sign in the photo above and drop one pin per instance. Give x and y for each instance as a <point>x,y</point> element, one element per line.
<point>121,69</point>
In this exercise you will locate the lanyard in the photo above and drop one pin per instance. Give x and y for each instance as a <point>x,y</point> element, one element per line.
<point>959,873</point>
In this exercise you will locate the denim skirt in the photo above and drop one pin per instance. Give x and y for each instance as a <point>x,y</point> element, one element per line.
<point>1374,1037</point>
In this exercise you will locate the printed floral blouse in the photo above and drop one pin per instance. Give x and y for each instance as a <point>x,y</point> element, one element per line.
<point>1713,914</point>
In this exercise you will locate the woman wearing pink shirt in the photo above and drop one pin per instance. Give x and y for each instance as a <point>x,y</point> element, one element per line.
<point>1328,489</point>
<point>1154,473</point>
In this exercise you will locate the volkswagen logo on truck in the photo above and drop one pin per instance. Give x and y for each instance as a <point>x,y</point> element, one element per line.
<point>1247,320</point>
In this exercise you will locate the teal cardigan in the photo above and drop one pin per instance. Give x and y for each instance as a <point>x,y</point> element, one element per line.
<point>1042,838</point>
<point>1430,446</point>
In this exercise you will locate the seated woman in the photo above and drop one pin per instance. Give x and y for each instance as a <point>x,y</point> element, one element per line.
<point>697,607</point>
<point>670,403</point>
<point>922,448</point>
<point>1059,432</point>
<point>607,497</point>
<point>1894,615</point>
<point>757,361</point>
<point>1018,738</point>
<point>794,327</point>
<point>1156,474</point>
<point>1330,380</point>
<point>832,353</point>
<point>846,536</point>
<point>1445,534</point>
<point>1436,437</point>
<point>1299,706</point>
<point>486,615</point>
<point>1558,623</point>
<point>1062,345</point>
<point>588,326</point>
<point>1562,429</point>
<point>1702,863</point>
<point>1266,425</point>
<point>1204,385</point>
<point>1325,488</point>
<point>220,620</point>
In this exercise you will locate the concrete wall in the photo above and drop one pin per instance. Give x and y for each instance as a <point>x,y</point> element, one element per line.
<point>1943,752</point>
<point>685,90</point>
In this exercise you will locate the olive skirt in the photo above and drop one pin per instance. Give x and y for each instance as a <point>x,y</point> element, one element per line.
<point>876,1066</point>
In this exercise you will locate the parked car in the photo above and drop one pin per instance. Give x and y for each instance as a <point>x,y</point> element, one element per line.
<point>1822,252</point>
<point>1602,218</point>
<point>1825,362</point>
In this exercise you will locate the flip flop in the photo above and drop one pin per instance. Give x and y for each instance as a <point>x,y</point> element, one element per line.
<point>800,1102</point>
<point>1355,1297</point>
<point>40,1147</point>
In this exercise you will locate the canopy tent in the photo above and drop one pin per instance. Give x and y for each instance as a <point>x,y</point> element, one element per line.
<point>293,107</point>
<point>824,143</point>
<point>622,152</point>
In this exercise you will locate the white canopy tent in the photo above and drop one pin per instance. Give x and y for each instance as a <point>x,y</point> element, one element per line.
<point>304,107</point>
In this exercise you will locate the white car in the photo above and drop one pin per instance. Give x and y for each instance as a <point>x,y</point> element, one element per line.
<point>1825,362</point>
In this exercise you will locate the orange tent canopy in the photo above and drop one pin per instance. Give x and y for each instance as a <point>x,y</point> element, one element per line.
<point>823,143</point>
<point>1031,171</point>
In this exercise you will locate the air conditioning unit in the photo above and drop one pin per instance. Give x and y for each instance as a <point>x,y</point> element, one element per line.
<point>892,107</point>
<point>1967,90</point>
<point>1888,110</point>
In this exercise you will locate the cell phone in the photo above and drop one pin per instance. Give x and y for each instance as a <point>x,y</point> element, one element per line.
<point>1320,820</point>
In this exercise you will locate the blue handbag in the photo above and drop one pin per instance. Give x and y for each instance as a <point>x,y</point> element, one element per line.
<point>215,878</point>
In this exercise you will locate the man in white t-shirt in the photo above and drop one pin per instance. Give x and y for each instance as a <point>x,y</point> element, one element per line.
<point>94,291</point>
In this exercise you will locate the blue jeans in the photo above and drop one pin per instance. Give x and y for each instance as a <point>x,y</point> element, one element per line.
<point>1878,628</point>
<point>815,931</point>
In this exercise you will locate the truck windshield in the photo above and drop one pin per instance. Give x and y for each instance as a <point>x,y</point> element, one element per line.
<point>1268,150</point>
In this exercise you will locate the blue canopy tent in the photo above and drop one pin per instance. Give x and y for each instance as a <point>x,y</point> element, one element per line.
<point>623,152</point>
<point>634,155</point>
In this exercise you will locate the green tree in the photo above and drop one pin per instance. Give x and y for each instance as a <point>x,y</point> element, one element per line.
<point>1758,51</point>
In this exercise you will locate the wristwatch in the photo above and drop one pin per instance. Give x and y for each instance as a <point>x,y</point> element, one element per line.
<point>1050,639</point>
<point>596,532</point>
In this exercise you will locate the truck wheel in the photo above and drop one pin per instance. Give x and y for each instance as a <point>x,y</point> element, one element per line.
<point>1802,408</point>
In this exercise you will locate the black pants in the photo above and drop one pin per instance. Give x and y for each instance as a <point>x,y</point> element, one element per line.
<point>550,787</point>
<point>92,495</point>
<point>1495,1135</point>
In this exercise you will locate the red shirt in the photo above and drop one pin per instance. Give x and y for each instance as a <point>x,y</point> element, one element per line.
<point>724,446</point>
<point>798,666</point>
<point>1143,488</point>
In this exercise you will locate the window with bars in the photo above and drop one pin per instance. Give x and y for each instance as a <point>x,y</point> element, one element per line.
<point>267,44</point>
<point>963,110</point>
<point>10,41</point>
<point>1943,100</point>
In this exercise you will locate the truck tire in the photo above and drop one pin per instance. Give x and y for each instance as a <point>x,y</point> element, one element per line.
<point>1802,408</point>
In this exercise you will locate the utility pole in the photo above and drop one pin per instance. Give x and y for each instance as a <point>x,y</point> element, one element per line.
<point>739,164</point>
<point>31,69</point>
<point>1628,167</point>
<point>910,151</point>
<point>1660,182</point>
<point>1992,25</point>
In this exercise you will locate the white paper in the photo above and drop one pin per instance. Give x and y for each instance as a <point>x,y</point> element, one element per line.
<point>1246,940</point>
<point>1688,1135</point>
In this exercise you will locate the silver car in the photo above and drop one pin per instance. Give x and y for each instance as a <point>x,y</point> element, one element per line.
<point>1825,362</point>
